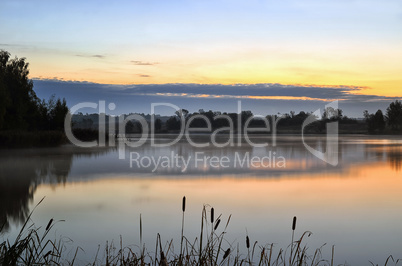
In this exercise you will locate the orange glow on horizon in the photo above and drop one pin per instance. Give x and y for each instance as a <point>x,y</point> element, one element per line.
<point>295,66</point>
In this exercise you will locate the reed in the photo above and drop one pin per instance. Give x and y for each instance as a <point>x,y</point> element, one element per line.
<point>293,234</point>
<point>183,208</point>
<point>33,247</point>
<point>248,248</point>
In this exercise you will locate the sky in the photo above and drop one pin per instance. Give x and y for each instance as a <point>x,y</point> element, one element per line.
<point>300,45</point>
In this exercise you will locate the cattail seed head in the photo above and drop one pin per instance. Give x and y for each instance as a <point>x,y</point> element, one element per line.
<point>217,224</point>
<point>227,252</point>
<point>163,260</point>
<point>49,224</point>
<point>183,206</point>
<point>294,223</point>
<point>212,215</point>
<point>247,242</point>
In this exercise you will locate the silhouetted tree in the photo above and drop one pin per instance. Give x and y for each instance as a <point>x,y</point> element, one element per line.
<point>394,115</point>
<point>158,125</point>
<point>332,114</point>
<point>57,115</point>
<point>20,108</point>
<point>20,101</point>
<point>182,113</point>
<point>379,120</point>
<point>375,122</point>
<point>4,99</point>
<point>173,123</point>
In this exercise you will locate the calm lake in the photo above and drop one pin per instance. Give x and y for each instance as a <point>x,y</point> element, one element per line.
<point>355,206</point>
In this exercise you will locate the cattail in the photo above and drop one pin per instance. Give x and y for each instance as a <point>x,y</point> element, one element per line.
<point>227,252</point>
<point>49,224</point>
<point>217,224</point>
<point>183,207</point>
<point>163,259</point>
<point>293,233</point>
<point>140,230</point>
<point>212,215</point>
<point>247,242</point>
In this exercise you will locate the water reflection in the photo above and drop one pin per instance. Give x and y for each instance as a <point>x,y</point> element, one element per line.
<point>345,212</point>
<point>183,160</point>
<point>394,156</point>
<point>391,153</point>
<point>23,170</point>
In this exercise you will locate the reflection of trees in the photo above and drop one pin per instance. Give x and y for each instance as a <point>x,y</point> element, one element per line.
<point>21,171</point>
<point>391,153</point>
<point>394,156</point>
<point>291,148</point>
<point>14,198</point>
<point>19,178</point>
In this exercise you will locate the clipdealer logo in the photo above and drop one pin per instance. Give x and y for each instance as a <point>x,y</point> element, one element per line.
<point>235,136</point>
<point>202,161</point>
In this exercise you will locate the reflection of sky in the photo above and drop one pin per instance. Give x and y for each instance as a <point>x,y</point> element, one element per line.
<point>347,212</point>
<point>267,160</point>
<point>101,198</point>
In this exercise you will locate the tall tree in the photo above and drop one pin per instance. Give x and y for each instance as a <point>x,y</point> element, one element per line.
<point>20,101</point>
<point>57,114</point>
<point>394,115</point>
<point>375,122</point>
<point>379,120</point>
<point>20,108</point>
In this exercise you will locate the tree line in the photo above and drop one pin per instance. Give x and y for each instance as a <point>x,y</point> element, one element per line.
<point>219,119</point>
<point>377,123</point>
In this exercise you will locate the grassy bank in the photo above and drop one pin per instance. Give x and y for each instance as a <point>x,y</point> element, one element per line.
<point>33,246</point>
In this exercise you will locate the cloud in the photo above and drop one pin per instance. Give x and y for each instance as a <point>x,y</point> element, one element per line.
<point>7,44</point>
<point>142,63</point>
<point>254,91</point>
<point>144,76</point>
<point>94,56</point>
<point>264,98</point>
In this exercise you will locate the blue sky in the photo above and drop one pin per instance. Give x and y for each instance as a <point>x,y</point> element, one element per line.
<point>321,43</point>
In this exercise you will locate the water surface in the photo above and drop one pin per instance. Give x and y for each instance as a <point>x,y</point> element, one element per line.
<point>355,205</point>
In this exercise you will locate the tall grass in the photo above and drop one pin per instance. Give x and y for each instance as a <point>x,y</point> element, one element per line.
<point>31,247</point>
